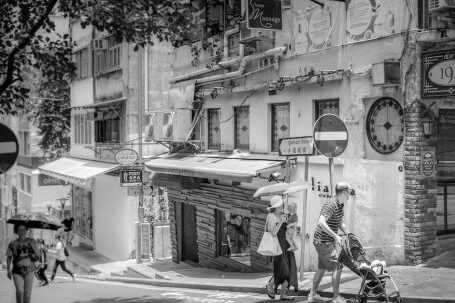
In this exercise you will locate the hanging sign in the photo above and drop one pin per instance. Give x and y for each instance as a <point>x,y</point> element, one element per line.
<point>264,14</point>
<point>126,156</point>
<point>131,176</point>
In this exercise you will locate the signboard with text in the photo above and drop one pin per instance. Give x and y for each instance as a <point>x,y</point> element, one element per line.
<point>265,14</point>
<point>45,180</point>
<point>131,176</point>
<point>438,74</point>
<point>296,146</point>
<point>428,163</point>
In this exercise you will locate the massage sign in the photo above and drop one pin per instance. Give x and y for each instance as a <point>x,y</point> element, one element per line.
<point>265,15</point>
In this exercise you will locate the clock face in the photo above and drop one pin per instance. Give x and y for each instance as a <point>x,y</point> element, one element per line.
<point>385,125</point>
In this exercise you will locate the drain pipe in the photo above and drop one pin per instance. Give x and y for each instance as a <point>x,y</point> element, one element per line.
<point>276,52</point>
<point>223,64</point>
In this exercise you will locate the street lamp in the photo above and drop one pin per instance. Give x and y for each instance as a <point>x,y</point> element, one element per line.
<point>427,117</point>
<point>62,204</point>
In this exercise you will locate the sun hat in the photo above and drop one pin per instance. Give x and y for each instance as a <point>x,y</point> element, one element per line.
<point>275,202</point>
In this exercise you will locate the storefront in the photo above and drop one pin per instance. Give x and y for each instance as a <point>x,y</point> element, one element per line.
<point>215,221</point>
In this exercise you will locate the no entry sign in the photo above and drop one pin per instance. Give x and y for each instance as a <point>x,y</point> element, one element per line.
<point>9,148</point>
<point>330,135</point>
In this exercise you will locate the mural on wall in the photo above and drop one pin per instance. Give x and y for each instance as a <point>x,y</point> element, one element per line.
<point>369,19</point>
<point>313,27</point>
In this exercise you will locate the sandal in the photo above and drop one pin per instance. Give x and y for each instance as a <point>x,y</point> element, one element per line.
<point>269,291</point>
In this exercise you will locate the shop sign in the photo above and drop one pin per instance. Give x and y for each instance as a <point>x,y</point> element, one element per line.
<point>438,74</point>
<point>265,14</point>
<point>45,180</point>
<point>126,156</point>
<point>135,191</point>
<point>296,146</point>
<point>131,176</point>
<point>428,167</point>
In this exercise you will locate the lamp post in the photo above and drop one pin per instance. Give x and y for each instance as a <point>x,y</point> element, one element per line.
<point>62,204</point>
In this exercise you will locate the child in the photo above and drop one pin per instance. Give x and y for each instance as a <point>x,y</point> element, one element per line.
<point>292,227</point>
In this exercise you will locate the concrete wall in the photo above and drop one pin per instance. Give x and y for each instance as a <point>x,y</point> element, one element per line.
<point>114,216</point>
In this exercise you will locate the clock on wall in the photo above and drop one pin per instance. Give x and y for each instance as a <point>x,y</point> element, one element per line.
<point>385,125</point>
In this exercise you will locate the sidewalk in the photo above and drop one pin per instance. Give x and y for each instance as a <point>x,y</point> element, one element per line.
<point>430,282</point>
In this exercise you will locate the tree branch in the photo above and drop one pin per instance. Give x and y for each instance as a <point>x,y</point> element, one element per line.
<point>12,56</point>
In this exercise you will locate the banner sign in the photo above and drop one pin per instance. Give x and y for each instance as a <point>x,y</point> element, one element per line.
<point>438,78</point>
<point>45,180</point>
<point>265,14</point>
<point>131,176</point>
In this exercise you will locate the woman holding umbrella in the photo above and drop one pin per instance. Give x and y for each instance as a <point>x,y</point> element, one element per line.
<point>21,255</point>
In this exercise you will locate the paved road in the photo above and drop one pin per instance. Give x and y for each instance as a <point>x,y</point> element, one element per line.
<point>63,290</point>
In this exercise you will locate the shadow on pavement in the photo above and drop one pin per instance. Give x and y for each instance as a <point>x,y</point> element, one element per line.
<point>143,299</point>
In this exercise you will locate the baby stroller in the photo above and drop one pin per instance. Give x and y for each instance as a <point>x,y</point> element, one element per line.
<point>373,274</point>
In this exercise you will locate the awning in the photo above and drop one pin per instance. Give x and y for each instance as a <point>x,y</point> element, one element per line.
<point>107,103</point>
<point>76,171</point>
<point>220,168</point>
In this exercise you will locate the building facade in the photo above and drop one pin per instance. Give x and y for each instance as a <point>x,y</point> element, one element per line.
<point>359,60</point>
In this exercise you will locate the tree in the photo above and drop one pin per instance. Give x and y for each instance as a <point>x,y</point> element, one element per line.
<point>26,44</point>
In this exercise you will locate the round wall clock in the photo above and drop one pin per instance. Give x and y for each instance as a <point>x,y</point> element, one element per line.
<point>385,125</point>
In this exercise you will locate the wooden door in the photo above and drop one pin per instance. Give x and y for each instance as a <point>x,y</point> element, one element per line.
<point>189,233</point>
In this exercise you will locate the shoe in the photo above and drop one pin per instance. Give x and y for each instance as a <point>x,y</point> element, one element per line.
<point>46,284</point>
<point>270,292</point>
<point>339,299</point>
<point>314,298</point>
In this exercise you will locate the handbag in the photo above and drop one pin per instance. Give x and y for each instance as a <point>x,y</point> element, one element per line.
<point>65,251</point>
<point>269,245</point>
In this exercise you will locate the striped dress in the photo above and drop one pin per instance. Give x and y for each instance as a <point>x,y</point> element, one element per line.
<point>333,213</point>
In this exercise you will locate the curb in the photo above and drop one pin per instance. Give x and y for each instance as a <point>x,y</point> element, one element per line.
<point>247,289</point>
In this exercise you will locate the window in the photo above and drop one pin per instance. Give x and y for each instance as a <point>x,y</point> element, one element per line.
<point>242,127</point>
<point>330,106</point>
<point>214,131</point>
<point>233,236</point>
<point>24,143</point>
<point>25,183</point>
<point>107,127</point>
<point>82,211</point>
<point>109,59</point>
<point>83,128</point>
<point>82,61</point>
<point>280,124</point>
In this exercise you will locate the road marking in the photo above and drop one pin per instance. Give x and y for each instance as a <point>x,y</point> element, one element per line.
<point>330,136</point>
<point>8,147</point>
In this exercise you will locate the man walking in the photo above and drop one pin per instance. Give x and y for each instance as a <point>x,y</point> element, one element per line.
<point>68,229</point>
<point>326,237</point>
<point>60,259</point>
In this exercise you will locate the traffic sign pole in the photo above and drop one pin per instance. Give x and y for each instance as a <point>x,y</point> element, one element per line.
<point>331,174</point>
<point>304,220</point>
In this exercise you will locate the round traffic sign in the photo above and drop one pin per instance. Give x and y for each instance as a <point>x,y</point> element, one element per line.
<point>330,135</point>
<point>9,148</point>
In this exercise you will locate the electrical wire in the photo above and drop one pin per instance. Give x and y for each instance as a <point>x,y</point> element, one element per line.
<point>243,102</point>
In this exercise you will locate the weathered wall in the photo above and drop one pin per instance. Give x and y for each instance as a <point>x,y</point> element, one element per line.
<point>113,219</point>
<point>207,199</point>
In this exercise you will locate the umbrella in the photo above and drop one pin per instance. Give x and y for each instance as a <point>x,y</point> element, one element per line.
<point>282,188</point>
<point>36,220</point>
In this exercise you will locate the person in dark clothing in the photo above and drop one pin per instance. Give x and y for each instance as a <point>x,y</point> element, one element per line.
<point>284,265</point>
<point>41,273</point>
<point>68,230</point>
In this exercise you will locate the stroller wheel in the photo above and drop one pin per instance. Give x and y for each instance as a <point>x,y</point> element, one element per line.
<point>398,299</point>
<point>363,298</point>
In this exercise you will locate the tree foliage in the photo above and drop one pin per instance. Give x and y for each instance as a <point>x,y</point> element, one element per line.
<point>28,43</point>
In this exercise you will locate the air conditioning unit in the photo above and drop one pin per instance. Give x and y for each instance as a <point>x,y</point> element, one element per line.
<point>440,6</point>
<point>99,44</point>
<point>286,4</point>
<point>386,73</point>
<point>160,126</point>
<point>250,35</point>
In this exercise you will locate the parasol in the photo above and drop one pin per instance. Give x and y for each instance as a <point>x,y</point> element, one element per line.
<point>282,188</point>
<point>36,220</point>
